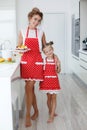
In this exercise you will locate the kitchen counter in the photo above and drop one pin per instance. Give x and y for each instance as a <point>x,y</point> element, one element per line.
<point>8,69</point>
<point>9,82</point>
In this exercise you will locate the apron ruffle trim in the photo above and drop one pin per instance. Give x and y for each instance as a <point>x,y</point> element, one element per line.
<point>32,79</point>
<point>39,63</point>
<point>51,91</point>
<point>50,76</point>
<point>50,63</point>
<point>23,62</point>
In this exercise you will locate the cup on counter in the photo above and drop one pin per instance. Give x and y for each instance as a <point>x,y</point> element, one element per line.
<point>17,57</point>
<point>7,55</point>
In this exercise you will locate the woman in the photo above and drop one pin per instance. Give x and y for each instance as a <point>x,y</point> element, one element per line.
<point>31,61</point>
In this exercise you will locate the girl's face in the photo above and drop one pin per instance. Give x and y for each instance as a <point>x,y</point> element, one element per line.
<point>48,51</point>
<point>35,21</point>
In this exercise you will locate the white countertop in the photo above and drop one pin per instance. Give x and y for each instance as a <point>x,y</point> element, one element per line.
<point>8,69</point>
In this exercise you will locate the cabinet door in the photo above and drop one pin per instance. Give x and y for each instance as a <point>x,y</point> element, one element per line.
<point>83,74</point>
<point>15,87</point>
<point>83,67</point>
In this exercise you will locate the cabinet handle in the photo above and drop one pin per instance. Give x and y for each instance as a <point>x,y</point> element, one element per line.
<point>83,53</point>
<point>75,58</point>
<point>83,60</point>
<point>83,67</point>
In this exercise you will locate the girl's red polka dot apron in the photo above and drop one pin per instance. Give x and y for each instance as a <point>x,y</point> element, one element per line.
<point>51,81</point>
<point>31,61</point>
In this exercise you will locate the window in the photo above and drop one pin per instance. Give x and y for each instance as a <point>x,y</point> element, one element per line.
<point>8,26</point>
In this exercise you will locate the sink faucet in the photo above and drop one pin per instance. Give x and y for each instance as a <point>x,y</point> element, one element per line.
<point>6,45</point>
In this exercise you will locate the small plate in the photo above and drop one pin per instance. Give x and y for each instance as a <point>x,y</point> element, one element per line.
<point>22,50</point>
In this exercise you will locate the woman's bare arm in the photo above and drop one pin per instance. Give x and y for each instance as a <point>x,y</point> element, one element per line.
<point>43,39</point>
<point>20,39</point>
<point>58,67</point>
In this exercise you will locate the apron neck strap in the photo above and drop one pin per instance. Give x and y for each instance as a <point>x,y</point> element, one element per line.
<point>28,32</point>
<point>51,61</point>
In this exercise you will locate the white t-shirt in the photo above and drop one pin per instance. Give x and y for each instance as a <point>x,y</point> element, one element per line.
<point>32,34</point>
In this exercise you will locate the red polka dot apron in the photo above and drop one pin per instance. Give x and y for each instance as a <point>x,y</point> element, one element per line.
<point>51,81</point>
<point>31,61</point>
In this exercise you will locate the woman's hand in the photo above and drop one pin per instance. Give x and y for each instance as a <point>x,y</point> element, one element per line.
<point>58,68</point>
<point>58,64</point>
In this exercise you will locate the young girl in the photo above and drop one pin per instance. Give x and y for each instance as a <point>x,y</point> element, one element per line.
<point>51,83</point>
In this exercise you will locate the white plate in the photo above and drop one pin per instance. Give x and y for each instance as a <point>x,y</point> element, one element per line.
<point>22,50</point>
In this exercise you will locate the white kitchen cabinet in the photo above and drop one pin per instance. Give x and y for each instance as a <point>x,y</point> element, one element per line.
<point>15,93</point>
<point>15,85</point>
<point>75,65</point>
<point>15,111</point>
<point>83,66</point>
<point>18,86</point>
<point>10,83</point>
<point>79,65</point>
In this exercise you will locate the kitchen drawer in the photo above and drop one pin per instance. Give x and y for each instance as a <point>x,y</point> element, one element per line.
<point>83,57</point>
<point>83,74</point>
<point>83,64</point>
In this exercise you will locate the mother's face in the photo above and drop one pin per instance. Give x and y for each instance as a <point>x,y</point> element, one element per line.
<point>35,21</point>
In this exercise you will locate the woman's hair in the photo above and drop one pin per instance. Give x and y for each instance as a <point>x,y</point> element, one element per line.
<point>47,44</point>
<point>35,11</point>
